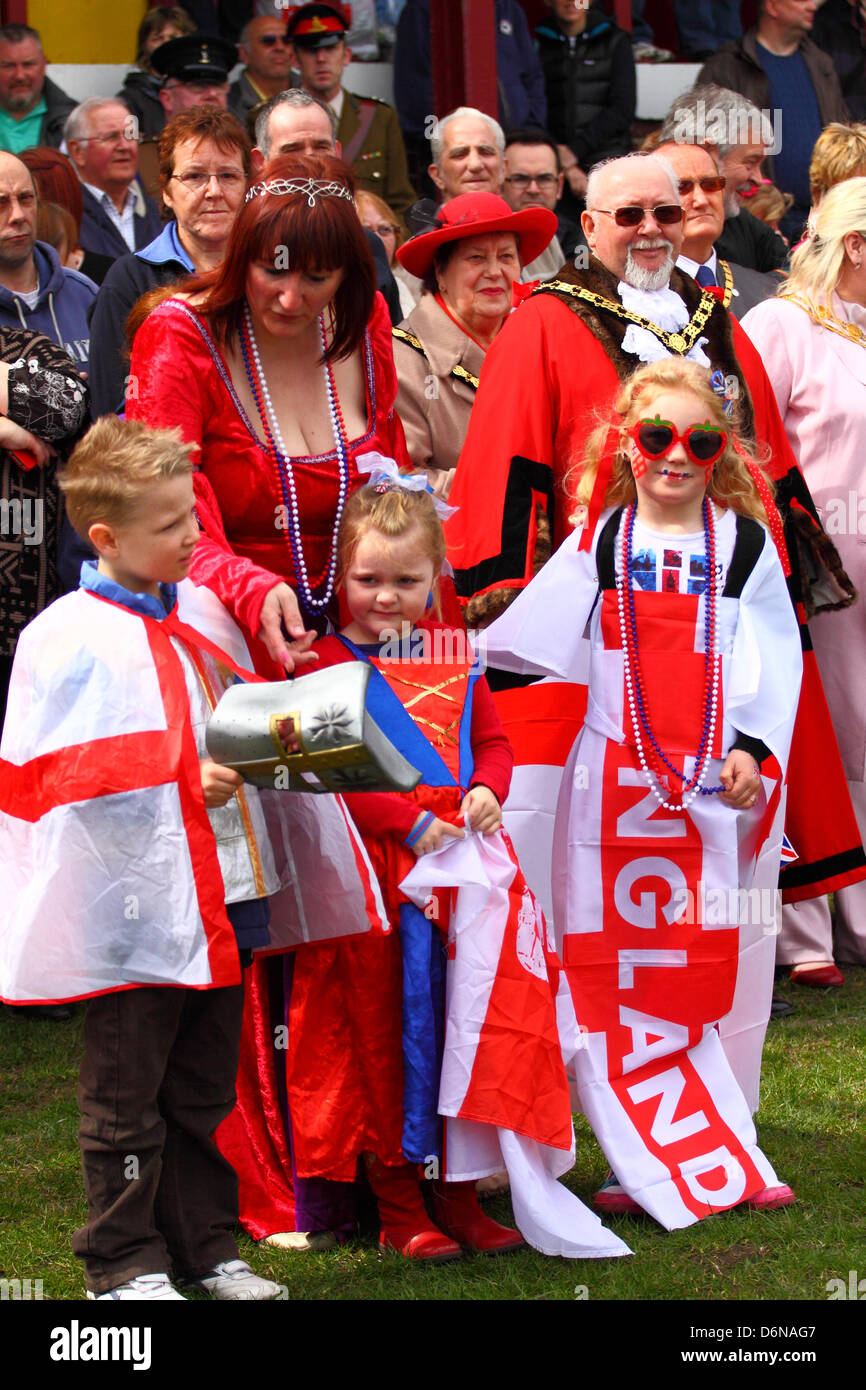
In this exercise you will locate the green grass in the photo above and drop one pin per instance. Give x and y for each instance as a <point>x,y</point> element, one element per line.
<point>810,1125</point>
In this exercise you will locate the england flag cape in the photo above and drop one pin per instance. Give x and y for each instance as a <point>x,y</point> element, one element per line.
<point>665,921</point>
<point>111,875</point>
<point>509,1026</point>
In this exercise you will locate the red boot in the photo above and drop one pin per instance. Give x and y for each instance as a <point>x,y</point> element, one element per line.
<point>457,1212</point>
<point>403,1221</point>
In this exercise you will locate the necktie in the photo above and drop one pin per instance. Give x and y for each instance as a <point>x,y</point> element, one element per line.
<point>705,277</point>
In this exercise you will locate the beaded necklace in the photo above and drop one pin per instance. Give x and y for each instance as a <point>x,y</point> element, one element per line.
<point>284,470</point>
<point>635,694</point>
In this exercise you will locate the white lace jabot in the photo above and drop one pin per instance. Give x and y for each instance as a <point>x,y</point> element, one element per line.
<point>662,307</point>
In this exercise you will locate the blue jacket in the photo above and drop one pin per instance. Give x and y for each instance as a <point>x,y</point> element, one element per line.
<point>520,80</point>
<point>99,234</point>
<point>127,280</point>
<point>61,310</point>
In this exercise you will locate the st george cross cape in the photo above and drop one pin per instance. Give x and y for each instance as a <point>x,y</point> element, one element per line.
<point>663,984</point>
<point>111,875</point>
<point>552,372</point>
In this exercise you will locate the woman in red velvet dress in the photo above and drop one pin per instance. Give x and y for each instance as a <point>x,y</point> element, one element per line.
<point>279,365</point>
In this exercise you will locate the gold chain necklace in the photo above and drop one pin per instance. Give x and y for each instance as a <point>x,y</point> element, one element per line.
<point>729,282</point>
<point>824,319</point>
<point>678,343</point>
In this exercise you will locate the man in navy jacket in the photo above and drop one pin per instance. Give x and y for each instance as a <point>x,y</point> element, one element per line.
<point>118,217</point>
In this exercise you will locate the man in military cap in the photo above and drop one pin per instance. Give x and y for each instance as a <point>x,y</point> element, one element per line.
<point>195,72</point>
<point>367,129</point>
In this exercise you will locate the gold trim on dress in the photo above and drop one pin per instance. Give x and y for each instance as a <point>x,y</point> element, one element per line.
<point>460,372</point>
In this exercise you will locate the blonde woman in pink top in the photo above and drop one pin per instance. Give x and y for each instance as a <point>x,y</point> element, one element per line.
<point>812,338</point>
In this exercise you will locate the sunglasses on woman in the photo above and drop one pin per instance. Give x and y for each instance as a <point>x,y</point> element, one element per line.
<point>704,444</point>
<point>666,214</point>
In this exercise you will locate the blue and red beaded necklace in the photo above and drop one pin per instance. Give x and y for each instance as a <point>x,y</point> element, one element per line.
<point>634,686</point>
<point>283,466</point>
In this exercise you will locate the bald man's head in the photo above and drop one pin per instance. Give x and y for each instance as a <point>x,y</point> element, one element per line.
<point>634,219</point>
<point>17,213</point>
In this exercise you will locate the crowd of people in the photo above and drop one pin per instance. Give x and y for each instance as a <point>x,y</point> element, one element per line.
<point>555,437</point>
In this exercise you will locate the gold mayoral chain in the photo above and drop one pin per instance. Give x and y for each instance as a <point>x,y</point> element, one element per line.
<point>824,319</point>
<point>728,287</point>
<point>675,342</point>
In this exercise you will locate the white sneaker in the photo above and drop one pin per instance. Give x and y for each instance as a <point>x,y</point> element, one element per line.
<point>147,1287</point>
<point>302,1240</point>
<point>233,1279</point>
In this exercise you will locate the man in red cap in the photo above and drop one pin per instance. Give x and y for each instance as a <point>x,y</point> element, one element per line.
<point>367,129</point>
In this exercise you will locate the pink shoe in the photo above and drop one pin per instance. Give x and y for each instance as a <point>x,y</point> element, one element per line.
<point>772,1197</point>
<point>818,976</point>
<point>614,1198</point>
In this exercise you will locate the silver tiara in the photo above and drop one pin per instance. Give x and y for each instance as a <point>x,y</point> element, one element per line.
<point>311,188</point>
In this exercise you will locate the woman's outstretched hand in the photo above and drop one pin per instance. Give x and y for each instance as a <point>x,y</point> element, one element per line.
<point>741,779</point>
<point>280,615</point>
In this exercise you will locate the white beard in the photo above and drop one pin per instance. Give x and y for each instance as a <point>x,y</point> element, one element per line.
<point>642,279</point>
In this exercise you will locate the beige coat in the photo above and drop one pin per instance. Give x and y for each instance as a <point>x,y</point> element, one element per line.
<point>432,402</point>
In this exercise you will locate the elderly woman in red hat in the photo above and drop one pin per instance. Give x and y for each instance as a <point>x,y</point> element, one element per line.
<point>468,264</point>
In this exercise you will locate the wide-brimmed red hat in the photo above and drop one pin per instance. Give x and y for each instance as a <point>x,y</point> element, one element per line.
<point>474,214</point>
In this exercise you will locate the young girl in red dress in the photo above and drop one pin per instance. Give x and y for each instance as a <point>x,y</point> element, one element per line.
<point>437,1048</point>
<point>392,988</point>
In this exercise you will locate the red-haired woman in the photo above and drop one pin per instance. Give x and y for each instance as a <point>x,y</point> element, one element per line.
<point>56,181</point>
<point>278,364</point>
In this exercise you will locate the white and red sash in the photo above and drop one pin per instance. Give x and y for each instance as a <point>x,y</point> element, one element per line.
<point>509,1027</point>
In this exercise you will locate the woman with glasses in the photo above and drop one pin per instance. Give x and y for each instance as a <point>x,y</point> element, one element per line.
<point>468,264</point>
<point>377,217</point>
<point>812,340</point>
<point>204,159</point>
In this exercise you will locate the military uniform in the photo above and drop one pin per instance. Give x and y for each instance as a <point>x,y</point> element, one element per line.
<point>378,160</point>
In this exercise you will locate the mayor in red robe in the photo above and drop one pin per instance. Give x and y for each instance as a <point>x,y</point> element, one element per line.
<point>550,378</point>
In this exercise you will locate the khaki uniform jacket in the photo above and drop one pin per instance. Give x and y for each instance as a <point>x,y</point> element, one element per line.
<point>434,404</point>
<point>380,164</point>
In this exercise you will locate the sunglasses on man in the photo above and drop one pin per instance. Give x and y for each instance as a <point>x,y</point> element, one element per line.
<point>713,183</point>
<point>666,214</point>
